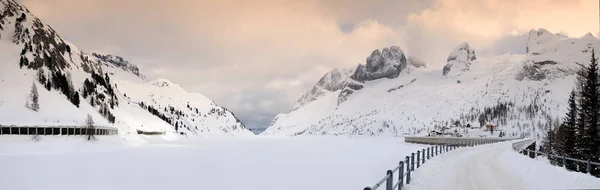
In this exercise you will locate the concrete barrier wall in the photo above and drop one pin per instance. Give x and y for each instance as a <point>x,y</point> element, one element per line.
<point>458,141</point>
<point>56,130</point>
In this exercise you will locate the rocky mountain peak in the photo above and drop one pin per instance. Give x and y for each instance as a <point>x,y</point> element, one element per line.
<point>539,37</point>
<point>381,64</point>
<point>162,83</point>
<point>460,59</point>
<point>332,81</point>
<point>387,63</point>
<point>119,62</point>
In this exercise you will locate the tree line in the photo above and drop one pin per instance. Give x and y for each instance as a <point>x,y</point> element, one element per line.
<point>578,134</point>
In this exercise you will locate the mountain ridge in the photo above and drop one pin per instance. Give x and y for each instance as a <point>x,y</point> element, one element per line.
<point>527,89</point>
<point>73,84</point>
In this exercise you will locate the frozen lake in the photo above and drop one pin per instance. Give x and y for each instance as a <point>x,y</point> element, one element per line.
<point>266,163</point>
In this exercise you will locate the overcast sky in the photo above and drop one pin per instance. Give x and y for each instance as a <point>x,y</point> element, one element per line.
<point>257,57</point>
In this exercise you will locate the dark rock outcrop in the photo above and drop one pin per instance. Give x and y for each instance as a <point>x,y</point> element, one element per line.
<point>118,61</point>
<point>387,63</point>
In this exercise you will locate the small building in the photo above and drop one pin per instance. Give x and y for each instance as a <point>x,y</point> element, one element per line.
<point>435,133</point>
<point>491,127</point>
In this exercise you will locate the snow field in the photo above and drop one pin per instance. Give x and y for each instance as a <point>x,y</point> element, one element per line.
<point>271,163</point>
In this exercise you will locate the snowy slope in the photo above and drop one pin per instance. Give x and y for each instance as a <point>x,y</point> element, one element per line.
<point>31,49</point>
<point>518,92</point>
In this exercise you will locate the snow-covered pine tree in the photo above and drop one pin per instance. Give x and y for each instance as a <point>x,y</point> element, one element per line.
<point>91,130</point>
<point>34,96</point>
<point>547,144</point>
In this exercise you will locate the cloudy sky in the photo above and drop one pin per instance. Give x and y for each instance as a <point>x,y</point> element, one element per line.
<point>257,57</point>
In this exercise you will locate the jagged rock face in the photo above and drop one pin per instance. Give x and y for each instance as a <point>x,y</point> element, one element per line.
<point>460,59</point>
<point>387,63</point>
<point>332,81</point>
<point>349,89</point>
<point>119,62</point>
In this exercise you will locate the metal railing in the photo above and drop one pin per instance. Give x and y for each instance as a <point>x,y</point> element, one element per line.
<point>533,154</point>
<point>56,130</point>
<point>407,166</point>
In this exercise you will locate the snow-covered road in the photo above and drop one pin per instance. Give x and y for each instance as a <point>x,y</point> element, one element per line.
<point>494,166</point>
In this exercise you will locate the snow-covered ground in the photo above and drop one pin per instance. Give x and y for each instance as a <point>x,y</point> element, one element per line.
<point>495,166</point>
<point>266,163</point>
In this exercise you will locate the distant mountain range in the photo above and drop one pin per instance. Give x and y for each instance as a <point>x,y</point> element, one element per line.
<point>392,95</point>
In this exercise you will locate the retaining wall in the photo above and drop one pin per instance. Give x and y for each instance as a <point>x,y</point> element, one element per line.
<point>459,141</point>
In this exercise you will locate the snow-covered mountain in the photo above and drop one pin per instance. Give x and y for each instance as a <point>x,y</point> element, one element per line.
<point>518,92</point>
<point>72,84</point>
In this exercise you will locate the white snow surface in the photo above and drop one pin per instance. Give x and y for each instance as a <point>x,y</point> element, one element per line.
<point>223,163</point>
<point>495,166</point>
<point>421,98</point>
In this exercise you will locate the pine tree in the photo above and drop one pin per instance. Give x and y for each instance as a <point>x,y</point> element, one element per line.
<point>92,101</point>
<point>547,140</point>
<point>48,85</point>
<point>41,76</point>
<point>588,116</point>
<point>89,123</point>
<point>69,83</point>
<point>34,96</point>
<point>591,110</point>
<point>570,119</point>
<point>580,123</point>
<point>566,133</point>
<point>76,99</point>
<point>594,127</point>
